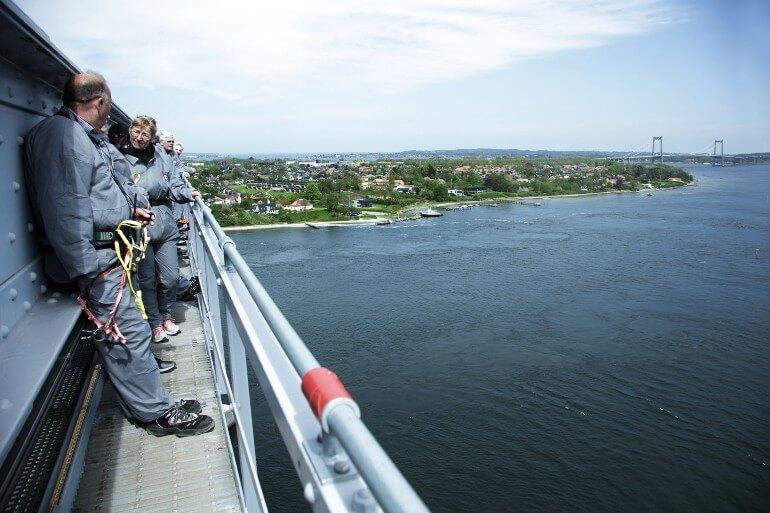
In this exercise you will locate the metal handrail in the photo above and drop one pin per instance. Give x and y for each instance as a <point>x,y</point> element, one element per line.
<point>384,480</point>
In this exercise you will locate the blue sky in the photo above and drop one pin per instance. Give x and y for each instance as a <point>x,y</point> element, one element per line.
<point>304,76</point>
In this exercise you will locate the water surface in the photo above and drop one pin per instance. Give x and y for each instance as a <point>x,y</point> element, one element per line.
<point>604,354</point>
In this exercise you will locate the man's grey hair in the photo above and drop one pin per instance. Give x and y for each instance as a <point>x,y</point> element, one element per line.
<point>85,86</point>
<point>164,134</point>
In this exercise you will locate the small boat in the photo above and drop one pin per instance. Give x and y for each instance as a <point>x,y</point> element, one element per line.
<point>463,207</point>
<point>430,213</point>
<point>313,225</point>
<point>382,222</point>
<point>648,194</point>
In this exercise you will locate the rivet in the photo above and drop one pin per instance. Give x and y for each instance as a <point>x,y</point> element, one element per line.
<point>16,186</point>
<point>30,227</point>
<point>12,237</point>
<point>32,276</point>
<point>27,306</point>
<point>20,140</point>
<point>10,92</point>
<point>341,467</point>
<point>13,294</point>
<point>44,105</point>
<point>43,289</point>
<point>363,501</point>
<point>4,331</point>
<point>30,99</point>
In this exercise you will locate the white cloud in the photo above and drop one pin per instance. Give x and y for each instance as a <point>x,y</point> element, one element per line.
<point>258,51</point>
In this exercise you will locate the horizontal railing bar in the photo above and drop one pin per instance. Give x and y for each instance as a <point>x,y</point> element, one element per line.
<point>392,491</point>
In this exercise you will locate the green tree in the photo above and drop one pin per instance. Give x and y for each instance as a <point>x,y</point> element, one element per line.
<point>473,179</point>
<point>312,192</point>
<point>435,190</point>
<point>500,182</point>
<point>330,201</point>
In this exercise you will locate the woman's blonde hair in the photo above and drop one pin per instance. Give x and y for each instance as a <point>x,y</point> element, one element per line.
<point>142,122</point>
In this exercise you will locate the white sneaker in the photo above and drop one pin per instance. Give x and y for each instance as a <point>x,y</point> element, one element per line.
<point>170,327</point>
<point>159,335</point>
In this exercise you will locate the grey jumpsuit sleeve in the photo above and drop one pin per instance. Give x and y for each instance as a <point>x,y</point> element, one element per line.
<point>68,223</point>
<point>180,192</point>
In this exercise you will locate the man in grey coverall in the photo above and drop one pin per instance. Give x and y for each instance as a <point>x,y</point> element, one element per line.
<point>77,195</point>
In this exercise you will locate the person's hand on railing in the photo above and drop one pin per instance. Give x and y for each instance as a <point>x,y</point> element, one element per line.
<point>195,195</point>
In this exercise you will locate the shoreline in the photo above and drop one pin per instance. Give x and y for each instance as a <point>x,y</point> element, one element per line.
<point>419,206</point>
<point>317,224</point>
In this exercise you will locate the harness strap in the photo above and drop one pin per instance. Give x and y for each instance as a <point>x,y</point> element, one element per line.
<point>127,263</point>
<point>109,327</point>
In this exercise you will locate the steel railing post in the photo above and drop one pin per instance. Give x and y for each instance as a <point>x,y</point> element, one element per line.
<point>212,293</point>
<point>239,380</point>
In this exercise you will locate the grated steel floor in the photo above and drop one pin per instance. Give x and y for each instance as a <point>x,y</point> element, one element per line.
<point>128,469</point>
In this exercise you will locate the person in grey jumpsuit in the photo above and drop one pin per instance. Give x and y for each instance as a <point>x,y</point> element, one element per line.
<point>187,289</point>
<point>152,170</point>
<point>75,192</point>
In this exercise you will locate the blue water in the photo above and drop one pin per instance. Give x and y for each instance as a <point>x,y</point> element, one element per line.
<point>600,354</point>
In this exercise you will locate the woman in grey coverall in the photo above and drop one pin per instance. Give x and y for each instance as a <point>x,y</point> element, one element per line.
<point>159,271</point>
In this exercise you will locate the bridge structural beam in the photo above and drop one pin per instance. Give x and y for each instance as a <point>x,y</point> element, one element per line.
<point>718,159</point>
<point>659,155</point>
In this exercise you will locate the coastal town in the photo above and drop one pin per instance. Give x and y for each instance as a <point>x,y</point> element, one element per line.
<point>252,192</point>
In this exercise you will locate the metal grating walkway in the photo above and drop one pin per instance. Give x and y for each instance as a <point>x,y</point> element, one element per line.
<point>127,469</point>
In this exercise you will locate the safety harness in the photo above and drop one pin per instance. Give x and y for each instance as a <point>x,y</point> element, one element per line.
<point>130,240</point>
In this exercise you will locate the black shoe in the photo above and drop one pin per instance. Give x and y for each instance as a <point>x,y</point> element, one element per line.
<point>177,421</point>
<point>192,291</point>
<point>165,366</point>
<point>190,406</point>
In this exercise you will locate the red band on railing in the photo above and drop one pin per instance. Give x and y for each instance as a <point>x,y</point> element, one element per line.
<point>321,386</point>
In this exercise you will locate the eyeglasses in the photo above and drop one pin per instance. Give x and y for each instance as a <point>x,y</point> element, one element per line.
<point>136,132</point>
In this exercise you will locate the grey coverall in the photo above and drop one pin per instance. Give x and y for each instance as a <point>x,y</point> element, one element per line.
<point>74,191</point>
<point>180,210</point>
<point>159,271</point>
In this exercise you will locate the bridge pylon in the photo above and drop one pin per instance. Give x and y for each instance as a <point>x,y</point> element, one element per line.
<point>718,159</point>
<point>657,156</point>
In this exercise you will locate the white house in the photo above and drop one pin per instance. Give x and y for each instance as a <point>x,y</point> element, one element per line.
<point>299,205</point>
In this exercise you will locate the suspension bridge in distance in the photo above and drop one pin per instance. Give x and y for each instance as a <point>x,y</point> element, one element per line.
<point>709,155</point>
